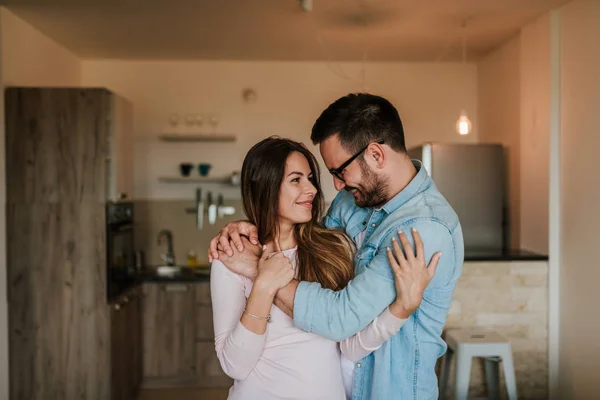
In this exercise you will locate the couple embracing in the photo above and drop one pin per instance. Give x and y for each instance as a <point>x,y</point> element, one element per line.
<point>346,306</point>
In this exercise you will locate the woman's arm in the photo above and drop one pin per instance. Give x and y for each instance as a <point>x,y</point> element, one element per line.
<point>363,343</point>
<point>240,325</point>
<point>239,338</point>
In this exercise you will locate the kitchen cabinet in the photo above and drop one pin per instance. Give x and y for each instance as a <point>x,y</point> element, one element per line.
<point>179,338</point>
<point>169,329</point>
<point>126,345</point>
<point>58,155</point>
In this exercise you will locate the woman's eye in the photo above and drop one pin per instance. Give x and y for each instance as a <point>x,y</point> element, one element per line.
<point>296,180</point>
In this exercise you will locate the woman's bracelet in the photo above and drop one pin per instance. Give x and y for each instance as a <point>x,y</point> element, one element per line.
<point>268,319</point>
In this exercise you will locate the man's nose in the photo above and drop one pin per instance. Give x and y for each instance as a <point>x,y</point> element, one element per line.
<point>338,183</point>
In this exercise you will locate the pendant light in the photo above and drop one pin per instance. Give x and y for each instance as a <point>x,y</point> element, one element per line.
<point>463,124</point>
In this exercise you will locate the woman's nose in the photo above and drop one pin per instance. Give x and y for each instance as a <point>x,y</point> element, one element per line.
<point>310,189</point>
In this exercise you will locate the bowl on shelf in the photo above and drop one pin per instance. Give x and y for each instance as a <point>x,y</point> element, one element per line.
<point>186,169</point>
<point>204,169</point>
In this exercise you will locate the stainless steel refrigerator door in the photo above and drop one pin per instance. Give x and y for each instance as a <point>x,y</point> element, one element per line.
<point>471,178</point>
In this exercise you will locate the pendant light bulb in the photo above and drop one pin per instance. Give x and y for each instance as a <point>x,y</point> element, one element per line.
<point>463,124</point>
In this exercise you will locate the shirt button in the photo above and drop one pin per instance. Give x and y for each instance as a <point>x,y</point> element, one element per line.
<point>364,222</point>
<point>358,256</point>
<point>373,225</point>
<point>358,365</point>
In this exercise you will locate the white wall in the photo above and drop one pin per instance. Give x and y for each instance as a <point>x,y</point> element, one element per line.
<point>291,96</point>
<point>534,130</point>
<point>514,109</point>
<point>498,88</point>
<point>31,59</point>
<point>27,58</point>
<point>580,207</point>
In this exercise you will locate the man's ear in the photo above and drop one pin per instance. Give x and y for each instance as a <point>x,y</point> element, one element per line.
<point>376,153</point>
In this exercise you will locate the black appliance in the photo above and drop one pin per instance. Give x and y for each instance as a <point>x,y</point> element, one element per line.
<point>121,273</point>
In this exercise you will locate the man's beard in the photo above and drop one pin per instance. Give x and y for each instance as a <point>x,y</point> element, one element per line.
<point>372,190</point>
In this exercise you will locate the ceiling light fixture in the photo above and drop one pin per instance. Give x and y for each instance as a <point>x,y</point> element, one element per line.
<point>306,5</point>
<point>463,124</point>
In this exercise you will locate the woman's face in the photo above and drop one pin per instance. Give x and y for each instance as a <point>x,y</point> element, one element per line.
<point>297,191</point>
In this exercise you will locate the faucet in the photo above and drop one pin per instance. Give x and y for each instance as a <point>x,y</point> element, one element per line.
<point>169,257</point>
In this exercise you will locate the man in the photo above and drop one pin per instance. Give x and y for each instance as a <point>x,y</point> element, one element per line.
<point>381,192</point>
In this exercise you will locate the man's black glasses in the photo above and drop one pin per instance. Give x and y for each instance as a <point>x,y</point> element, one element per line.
<point>339,170</point>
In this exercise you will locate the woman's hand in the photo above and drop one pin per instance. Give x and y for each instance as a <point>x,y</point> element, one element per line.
<point>411,273</point>
<point>274,272</point>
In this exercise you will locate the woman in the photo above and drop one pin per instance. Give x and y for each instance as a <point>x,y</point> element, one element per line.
<point>256,343</point>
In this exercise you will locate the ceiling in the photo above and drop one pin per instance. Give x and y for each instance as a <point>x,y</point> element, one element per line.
<point>335,30</point>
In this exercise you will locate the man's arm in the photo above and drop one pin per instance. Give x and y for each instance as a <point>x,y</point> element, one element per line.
<point>339,315</point>
<point>284,300</point>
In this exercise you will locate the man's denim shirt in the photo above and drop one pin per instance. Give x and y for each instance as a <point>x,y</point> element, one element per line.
<point>403,368</point>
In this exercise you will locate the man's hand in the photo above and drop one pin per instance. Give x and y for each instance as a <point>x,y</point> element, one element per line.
<point>229,237</point>
<point>411,274</point>
<point>243,263</point>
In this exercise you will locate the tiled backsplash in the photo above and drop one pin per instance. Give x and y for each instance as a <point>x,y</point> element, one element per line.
<point>153,215</point>
<point>512,299</point>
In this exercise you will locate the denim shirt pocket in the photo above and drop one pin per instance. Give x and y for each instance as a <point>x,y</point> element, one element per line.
<point>363,257</point>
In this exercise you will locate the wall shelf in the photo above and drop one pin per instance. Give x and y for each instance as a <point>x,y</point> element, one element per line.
<point>199,179</point>
<point>196,137</point>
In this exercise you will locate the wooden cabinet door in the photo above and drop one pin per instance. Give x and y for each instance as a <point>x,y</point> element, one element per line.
<point>136,341</point>
<point>169,331</point>
<point>126,346</point>
<point>120,357</point>
<point>55,147</point>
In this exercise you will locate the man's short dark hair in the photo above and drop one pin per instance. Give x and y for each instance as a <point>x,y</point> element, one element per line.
<point>360,118</point>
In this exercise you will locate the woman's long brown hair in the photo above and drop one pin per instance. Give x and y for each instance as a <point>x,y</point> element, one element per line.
<point>324,255</point>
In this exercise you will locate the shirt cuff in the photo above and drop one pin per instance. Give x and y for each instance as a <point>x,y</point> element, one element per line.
<point>390,321</point>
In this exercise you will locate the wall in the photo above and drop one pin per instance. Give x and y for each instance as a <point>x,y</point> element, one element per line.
<point>510,298</point>
<point>290,96</point>
<point>534,130</point>
<point>154,215</point>
<point>580,199</point>
<point>31,59</point>
<point>498,89</point>
<point>27,58</point>
<point>514,109</point>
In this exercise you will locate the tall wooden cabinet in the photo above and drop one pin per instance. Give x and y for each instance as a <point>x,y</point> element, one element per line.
<point>67,153</point>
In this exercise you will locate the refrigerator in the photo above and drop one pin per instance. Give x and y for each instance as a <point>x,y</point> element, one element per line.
<point>472,178</point>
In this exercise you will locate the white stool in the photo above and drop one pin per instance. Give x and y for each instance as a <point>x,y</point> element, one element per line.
<point>484,343</point>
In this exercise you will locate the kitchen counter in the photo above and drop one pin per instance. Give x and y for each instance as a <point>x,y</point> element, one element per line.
<point>186,275</point>
<point>509,255</point>
<point>202,274</point>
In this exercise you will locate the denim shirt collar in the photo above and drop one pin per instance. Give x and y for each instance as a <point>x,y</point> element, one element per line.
<point>416,185</point>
